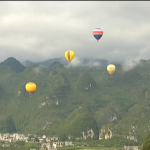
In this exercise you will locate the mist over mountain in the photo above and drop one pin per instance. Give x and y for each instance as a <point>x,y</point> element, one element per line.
<point>75,62</point>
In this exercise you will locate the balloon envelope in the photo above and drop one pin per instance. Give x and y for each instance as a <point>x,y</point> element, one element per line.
<point>30,87</point>
<point>97,33</point>
<point>69,55</point>
<point>111,69</point>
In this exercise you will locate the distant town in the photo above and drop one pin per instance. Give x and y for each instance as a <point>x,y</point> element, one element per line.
<point>45,142</point>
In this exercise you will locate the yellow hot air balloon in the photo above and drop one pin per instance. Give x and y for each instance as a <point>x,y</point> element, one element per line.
<point>111,69</point>
<point>69,55</point>
<point>30,87</point>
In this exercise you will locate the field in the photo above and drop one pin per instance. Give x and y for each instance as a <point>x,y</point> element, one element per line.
<point>91,148</point>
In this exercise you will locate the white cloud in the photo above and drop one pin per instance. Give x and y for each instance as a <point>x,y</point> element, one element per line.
<point>130,64</point>
<point>39,30</point>
<point>79,62</point>
<point>93,64</point>
<point>75,62</point>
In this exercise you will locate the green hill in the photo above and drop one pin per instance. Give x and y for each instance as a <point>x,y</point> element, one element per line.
<point>146,144</point>
<point>14,64</point>
<point>7,125</point>
<point>78,103</point>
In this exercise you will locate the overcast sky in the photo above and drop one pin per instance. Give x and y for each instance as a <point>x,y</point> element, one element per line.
<point>39,30</point>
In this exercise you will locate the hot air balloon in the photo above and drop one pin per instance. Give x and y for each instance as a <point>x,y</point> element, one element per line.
<point>69,55</point>
<point>111,69</point>
<point>30,87</point>
<point>97,33</point>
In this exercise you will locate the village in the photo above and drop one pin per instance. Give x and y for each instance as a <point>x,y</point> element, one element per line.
<point>45,142</point>
<point>48,143</point>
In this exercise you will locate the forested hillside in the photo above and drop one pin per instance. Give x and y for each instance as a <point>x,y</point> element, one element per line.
<point>77,102</point>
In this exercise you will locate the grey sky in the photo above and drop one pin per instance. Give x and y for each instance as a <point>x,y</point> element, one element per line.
<point>39,30</point>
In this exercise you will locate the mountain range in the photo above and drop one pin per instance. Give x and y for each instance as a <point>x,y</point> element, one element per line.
<point>76,102</point>
<point>62,60</point>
